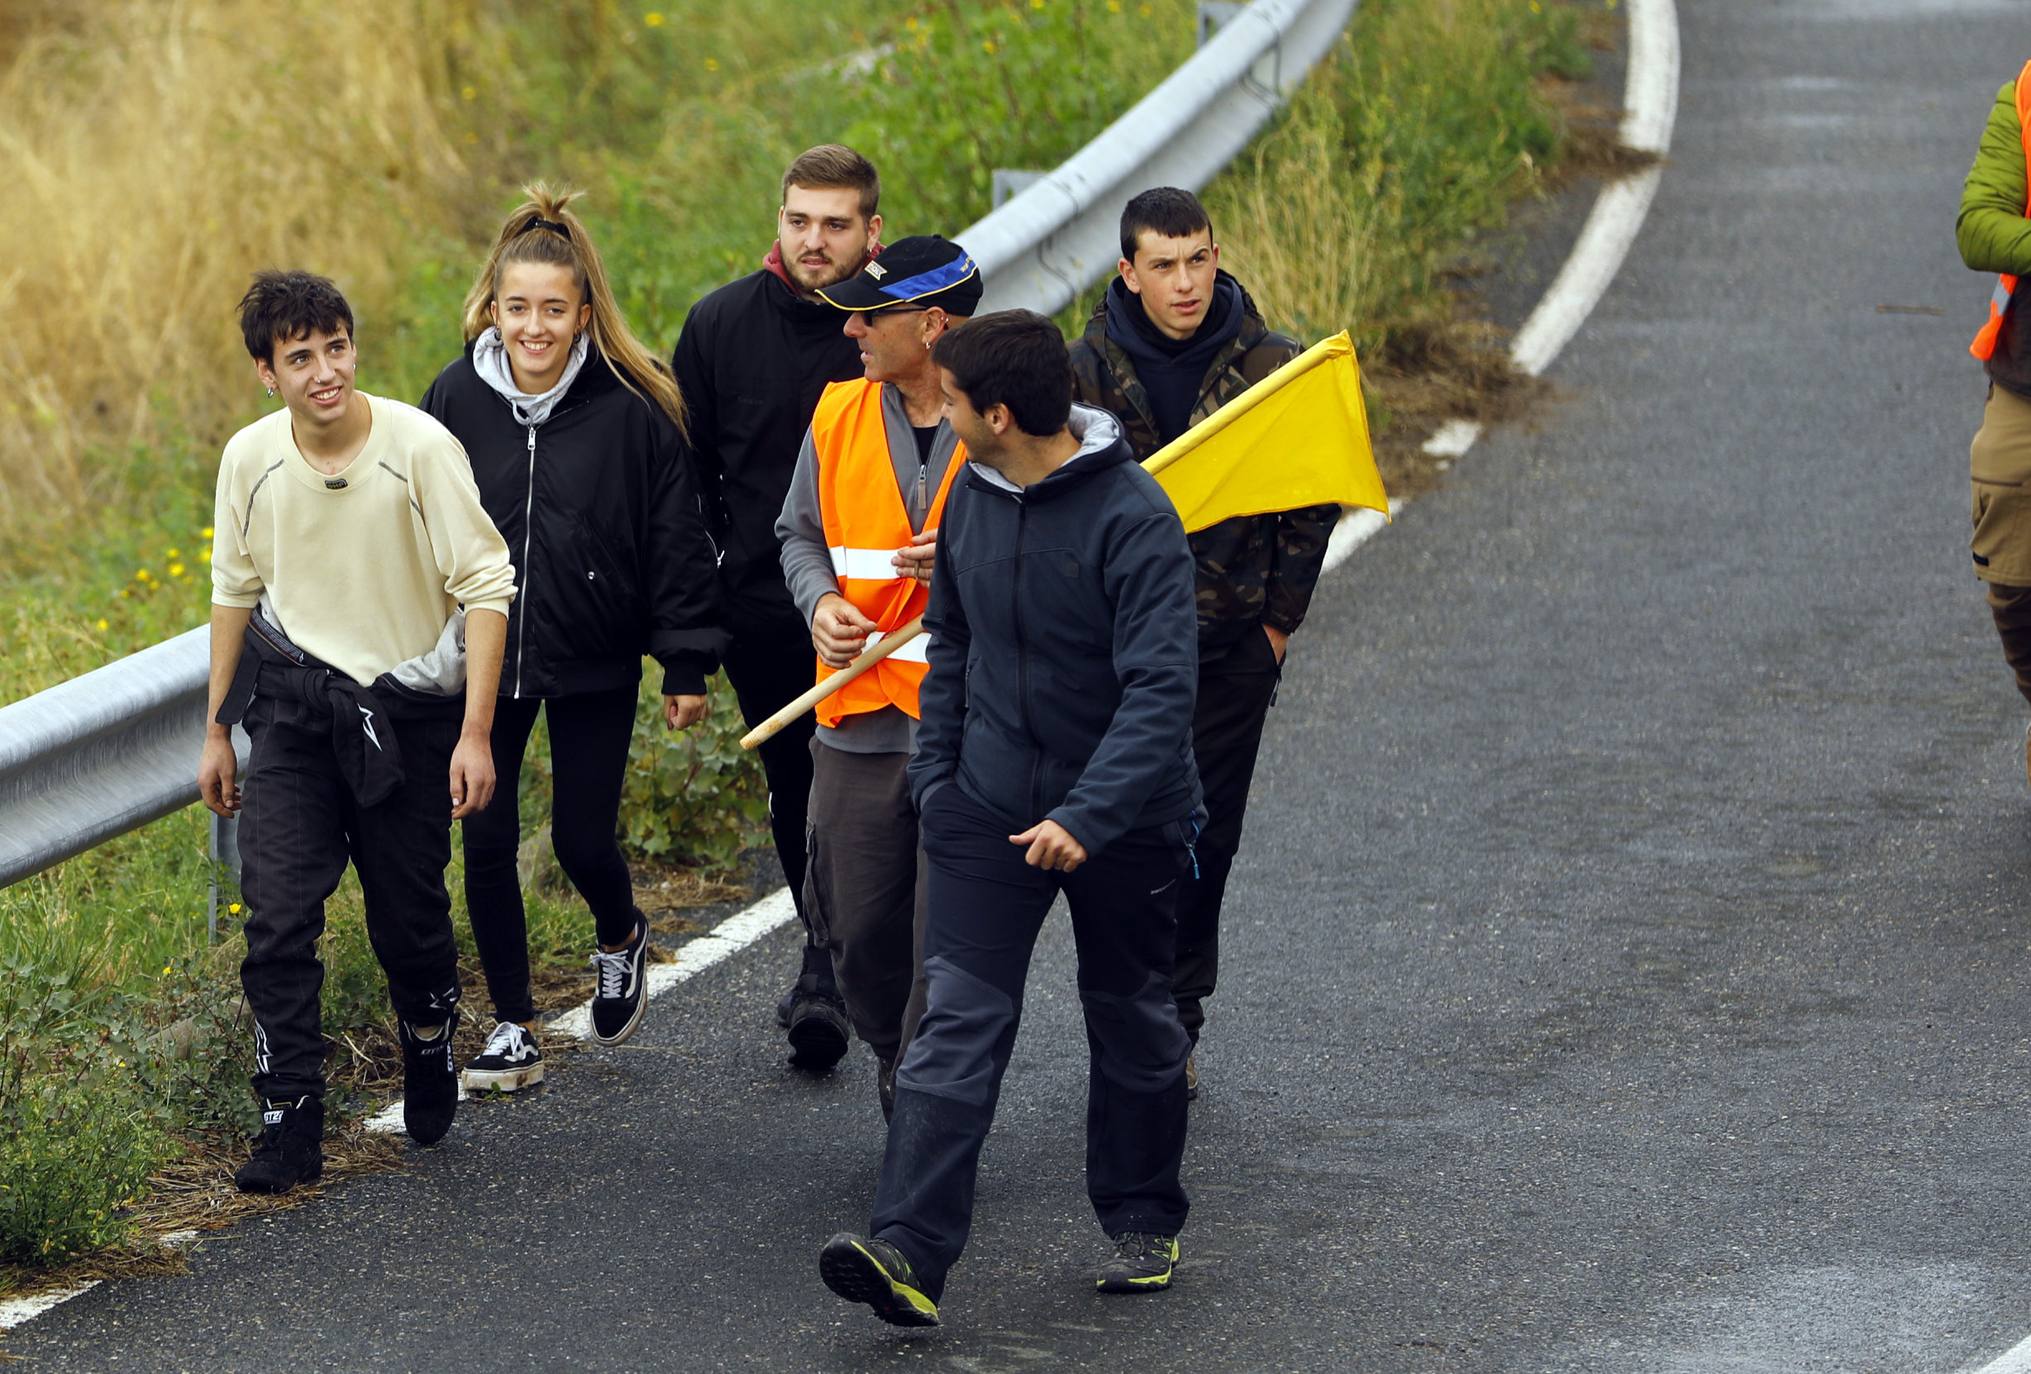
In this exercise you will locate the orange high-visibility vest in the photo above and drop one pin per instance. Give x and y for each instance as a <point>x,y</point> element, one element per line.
<point>1984,346</point>
<point>865,523</point>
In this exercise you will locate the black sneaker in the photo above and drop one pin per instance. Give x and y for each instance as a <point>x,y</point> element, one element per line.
<point>875,1272</point>
<point>429,1081</point>
<point>510,1061</point>
<point>618,1001</point>
<point>1142,1263</point>
<point>289,1150</point>
<point>818,1029</point>
<point>885,1086</point>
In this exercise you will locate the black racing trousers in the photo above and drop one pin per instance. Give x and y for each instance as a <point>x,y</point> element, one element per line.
<point>984,910</point>
<point>1235,693</point>
<point>299,825</point>
<point>589,737</point>
<point>770,663</point>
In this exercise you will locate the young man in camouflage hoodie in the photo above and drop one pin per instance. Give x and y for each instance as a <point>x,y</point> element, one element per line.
<point>1173,340</point>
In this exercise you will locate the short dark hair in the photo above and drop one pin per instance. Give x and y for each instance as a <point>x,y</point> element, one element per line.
<point>1166,210</point>
<point>289,305</point>
<point>836,167</point>
<point>1013,358</point>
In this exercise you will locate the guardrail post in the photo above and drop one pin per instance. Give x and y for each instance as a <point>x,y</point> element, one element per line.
<point>1010,182</point>
<point>1214,13</point>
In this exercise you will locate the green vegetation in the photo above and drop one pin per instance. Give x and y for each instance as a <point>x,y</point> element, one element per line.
<point>120,1030</point>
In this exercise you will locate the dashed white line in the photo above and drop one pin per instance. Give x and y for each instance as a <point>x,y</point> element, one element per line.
<point>1650,107</point>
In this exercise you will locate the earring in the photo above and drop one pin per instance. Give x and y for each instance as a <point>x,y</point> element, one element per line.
<point>270,390</point>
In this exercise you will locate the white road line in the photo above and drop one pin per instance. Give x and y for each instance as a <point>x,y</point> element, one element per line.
<point>15,1311</point>
<point>1650,107</point>
<point>721,943</point>
<point>2016,1360</point>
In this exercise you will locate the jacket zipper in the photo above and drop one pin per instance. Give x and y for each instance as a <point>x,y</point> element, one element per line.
<point>1023,669</point>
<point>923,490</point>
<point>522,592</point>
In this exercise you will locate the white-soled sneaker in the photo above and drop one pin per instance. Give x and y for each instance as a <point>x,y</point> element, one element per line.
<point>509,1062</point>
<point>618,1000</point>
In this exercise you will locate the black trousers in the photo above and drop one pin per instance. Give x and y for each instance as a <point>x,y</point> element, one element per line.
<point>1235,693</point>
<point>589,738</point>
<point>984,911</point>
<point>864,890</point>
<point>770,663</point>
<point>299,826</point>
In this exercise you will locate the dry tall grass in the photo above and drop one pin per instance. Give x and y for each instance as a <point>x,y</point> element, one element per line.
<point>154,151</point>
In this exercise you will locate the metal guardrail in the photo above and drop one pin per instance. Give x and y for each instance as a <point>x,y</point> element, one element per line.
<point>112,750</point>
<point>1061,233</point>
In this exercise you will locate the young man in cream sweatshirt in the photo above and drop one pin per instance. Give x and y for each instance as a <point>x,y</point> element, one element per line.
<point>359,600</point>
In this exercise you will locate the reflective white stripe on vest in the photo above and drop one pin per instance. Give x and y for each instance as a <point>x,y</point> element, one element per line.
<point>867,565</point>
<point>917,650</point>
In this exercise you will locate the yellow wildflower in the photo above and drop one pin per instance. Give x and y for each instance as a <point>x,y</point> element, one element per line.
<point>173,554</point>
<point>654,19</point>
<point>176,570</point>
<point>101,622</point>
<point>911,23</point>
<point>205,533</point>
<point>712,64</point>
<point>232,908</point>
<point>987,46</point>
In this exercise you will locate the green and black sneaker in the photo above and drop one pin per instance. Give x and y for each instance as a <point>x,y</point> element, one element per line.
<point>1142,1263</point>
<point>875,1272</point>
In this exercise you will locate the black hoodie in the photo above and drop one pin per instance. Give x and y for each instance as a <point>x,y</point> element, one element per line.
<point>751,361</point>
<point>611,557</point>
<point>1064,649</point>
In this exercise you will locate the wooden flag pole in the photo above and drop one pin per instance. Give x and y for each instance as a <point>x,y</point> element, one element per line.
<point>871,655</point>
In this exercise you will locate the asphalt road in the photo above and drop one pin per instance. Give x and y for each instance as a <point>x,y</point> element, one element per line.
<point>1624,971</point>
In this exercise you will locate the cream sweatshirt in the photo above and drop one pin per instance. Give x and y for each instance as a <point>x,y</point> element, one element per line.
<point>364,567</point>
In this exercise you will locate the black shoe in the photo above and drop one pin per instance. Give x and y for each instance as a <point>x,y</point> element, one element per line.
<point>509,1062</point>
<point>429,1082</point>
<point>1192,1076</point>
<point>618,1001</point>
<point>1142,1263</point>
<point>289,1150</point>
<point>885,1087</point>
<point>818,1029</point>
<point>875,1272</point>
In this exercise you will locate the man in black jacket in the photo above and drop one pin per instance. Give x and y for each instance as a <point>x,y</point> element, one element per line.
<point>1054,754</point>
<point>752,359</point>
<point>1172,341</point>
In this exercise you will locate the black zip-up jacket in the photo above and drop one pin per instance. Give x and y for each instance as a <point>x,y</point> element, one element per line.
<point>751,360</point>
<point>1064,648</point>
<point>611,556</point>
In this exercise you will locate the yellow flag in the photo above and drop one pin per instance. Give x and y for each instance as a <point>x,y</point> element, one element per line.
<point>1298,437</point>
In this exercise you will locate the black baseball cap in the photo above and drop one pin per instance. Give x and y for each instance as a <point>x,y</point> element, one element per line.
<point>922,271</point>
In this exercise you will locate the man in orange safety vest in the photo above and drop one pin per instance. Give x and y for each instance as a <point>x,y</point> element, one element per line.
<point>858,531</point>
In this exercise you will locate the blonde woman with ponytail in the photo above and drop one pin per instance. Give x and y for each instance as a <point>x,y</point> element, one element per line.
<point>574,432</point>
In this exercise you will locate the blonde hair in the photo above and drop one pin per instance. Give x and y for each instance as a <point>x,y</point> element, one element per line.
<point>542,229</point>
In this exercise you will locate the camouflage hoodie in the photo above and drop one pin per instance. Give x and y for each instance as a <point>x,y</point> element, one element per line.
<point>1252,570</point>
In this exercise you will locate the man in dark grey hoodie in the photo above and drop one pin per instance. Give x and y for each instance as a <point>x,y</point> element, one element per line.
<point>1054,754</point>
